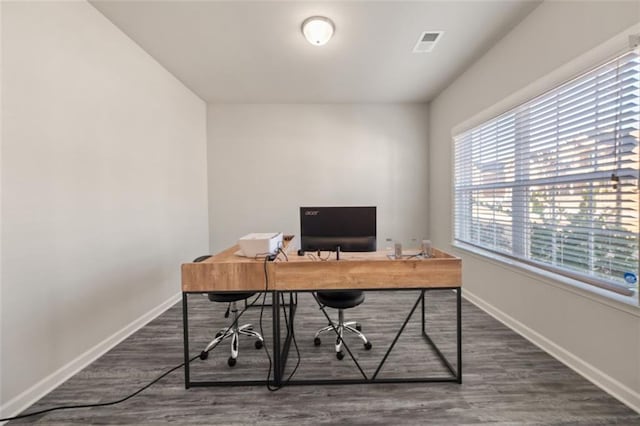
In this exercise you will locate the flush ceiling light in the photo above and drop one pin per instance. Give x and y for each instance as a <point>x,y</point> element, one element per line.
<point>317,30</point>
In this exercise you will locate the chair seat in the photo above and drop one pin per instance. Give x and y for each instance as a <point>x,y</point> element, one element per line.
<point>341,299</point>
<point>233,296</point>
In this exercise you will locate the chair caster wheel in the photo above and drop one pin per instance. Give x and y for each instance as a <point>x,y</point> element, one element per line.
<point>340,355</point>
<point>359,327</point>
<point>258,344</point>
<point>231,362</point>
<point>367,346</point>
<point>317,341</point>
<point>204,355</point>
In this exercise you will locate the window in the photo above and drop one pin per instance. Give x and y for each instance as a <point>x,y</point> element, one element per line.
<point>554,182</point>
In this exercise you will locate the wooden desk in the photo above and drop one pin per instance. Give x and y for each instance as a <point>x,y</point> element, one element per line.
<point>369,270</point>
<point>227,271</point>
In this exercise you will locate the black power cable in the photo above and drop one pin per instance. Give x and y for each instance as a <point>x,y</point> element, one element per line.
<point>102,404</point>
<point>166,373</point>
<point>105,404</point>
<point>293,336</point>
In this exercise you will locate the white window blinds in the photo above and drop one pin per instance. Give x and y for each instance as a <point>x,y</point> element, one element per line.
<point>554,182</point>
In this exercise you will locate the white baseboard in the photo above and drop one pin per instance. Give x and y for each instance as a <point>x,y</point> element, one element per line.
<point>46,385</point>
<point>610,385</point>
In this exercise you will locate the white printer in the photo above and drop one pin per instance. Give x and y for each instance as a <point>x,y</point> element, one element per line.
<point>260,244</point>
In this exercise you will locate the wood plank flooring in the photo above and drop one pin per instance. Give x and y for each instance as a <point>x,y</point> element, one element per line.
<point>506,379</point>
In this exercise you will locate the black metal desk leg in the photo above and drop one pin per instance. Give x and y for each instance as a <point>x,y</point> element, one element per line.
<point>459,315</point>
<point>185,335</point>
<point>289,319</point>
<point>275,302</point>
<point>424,331</point>
<point>293,305</point>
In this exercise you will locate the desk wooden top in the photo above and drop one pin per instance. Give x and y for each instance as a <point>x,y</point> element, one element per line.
<point>227,271</point>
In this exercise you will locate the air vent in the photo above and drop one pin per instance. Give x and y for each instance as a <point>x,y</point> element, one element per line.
<point>427,41</point>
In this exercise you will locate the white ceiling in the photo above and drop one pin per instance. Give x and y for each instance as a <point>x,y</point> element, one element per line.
<point>254,51</point>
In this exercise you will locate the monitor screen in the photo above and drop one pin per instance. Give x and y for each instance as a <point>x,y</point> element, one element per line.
<point>327,228</point>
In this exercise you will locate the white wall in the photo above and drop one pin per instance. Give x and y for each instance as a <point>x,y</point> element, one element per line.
<point>265,161</point>
<point>598,338</point>
<point>103,190</point>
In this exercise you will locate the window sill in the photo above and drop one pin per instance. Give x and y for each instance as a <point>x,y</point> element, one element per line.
<point>627,304</point>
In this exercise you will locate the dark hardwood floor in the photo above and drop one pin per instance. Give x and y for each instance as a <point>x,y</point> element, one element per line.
<point>506,379</point>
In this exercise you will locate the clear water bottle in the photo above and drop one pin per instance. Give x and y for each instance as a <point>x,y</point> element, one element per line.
<point>426,248</point>
<point>397,250</point>
<point>388,246</point>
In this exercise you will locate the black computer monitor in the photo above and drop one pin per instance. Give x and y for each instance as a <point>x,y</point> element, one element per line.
<point>327,228</point>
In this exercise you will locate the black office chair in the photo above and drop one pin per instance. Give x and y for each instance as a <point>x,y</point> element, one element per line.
<point>342,300</point>
<point>234,331</point>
